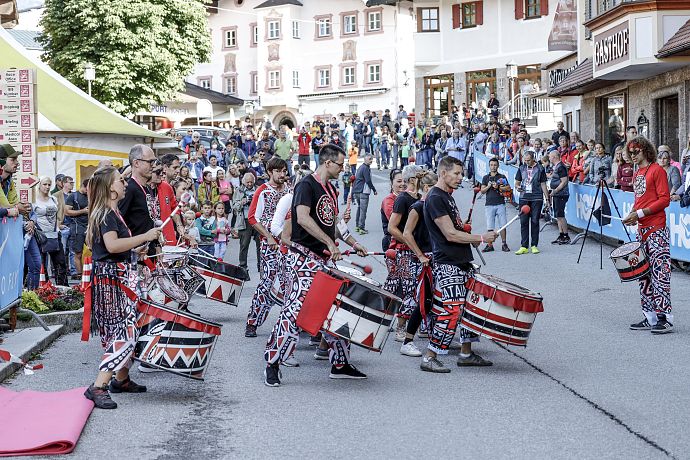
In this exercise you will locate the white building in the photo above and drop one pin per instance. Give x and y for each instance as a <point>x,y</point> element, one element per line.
<point>462,49</point>
<point>300,59</point>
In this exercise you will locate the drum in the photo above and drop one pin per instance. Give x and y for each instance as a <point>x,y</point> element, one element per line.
<point>188,279</point>
<point>165,291</point>
<point>174,341</point>
<point>630,261</point>
<point>222,281</point>
<point>350,308</point>
<point>349,270</point>
<point>173,257</point>
<point>499,310</point>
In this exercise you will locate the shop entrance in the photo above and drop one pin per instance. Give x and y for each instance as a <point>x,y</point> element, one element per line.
<point>668,126</point>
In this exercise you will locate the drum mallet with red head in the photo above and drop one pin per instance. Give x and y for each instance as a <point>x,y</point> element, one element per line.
<point>184,199</point>
<point>474,198</point>
<point>523,210</point>
<point>370,253</point>
<point>365,268</point>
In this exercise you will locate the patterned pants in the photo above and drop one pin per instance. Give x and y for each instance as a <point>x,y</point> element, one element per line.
<point>264,298</point>
<point>299,274</point>
<point>449,300</point>
<point>114,303</point>
<point>655,289</point>
<point>402,280</point>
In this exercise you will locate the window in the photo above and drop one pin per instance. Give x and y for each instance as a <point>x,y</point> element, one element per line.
<point>231,84</point>
<point>568,121</point>
<point>273,30</point>
<point>295,29</point>
<point>230,38</point>
<point>532,9</point>
<point>295,78</point>
<point>204,82</point>
<point>427,20</point>
<point>350,24</point>
<point>349,76</point>
<point>324,80</point>
<point>323,27</point>
<point>255,34</point>
<point>374,21</point>
<point>274,79</point>
<point>254,79</point>
<point>469,14</point>
<point>374,73</point>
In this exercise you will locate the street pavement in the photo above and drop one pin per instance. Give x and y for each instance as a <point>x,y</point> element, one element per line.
<point>585,387</point>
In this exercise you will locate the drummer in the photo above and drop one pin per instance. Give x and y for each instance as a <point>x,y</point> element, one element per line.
<point>114,284</point>
<point>451,268</point>
<point>401,279</point>
<point>314,229</point>
<point>652,197</point>
<point>397,187</point>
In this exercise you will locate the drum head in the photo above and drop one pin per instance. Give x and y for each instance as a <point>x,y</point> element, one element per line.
<point>171,289</point>
<point>350,271</point>
<point>626,249</point>
<point>506,286</point>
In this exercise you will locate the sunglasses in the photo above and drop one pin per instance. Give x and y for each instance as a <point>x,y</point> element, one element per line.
<point>157,171</point>
<point>147,161</point>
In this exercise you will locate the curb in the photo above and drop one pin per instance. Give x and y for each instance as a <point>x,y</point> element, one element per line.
<point>41,342</point>
<point>70,319</point>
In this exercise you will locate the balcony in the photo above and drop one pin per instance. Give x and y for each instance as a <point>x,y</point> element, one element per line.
<point>428,49</point>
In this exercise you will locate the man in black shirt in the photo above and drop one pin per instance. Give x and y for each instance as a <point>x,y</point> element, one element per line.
<point>314,230</point>
<point>558,133</point>
<point>495,206</point>
<point>559,195</point>
<point>530,182</point>
<point>77,209</point>
<point>451,268</point>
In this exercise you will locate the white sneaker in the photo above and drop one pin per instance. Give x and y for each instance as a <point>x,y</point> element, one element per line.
<point>148,369</point>
<point>290,362</point>
<point>400,335</point>
<point>410,349</point>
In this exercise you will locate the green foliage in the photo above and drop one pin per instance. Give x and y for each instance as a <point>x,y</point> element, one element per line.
<point>142,49</point>
<point>31,301</point>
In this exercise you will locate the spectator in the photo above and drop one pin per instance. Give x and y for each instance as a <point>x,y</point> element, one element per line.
<point>385,148</point>
<point>493,102</point>
<point>195,167</point>
<point>45,210</point>
<point>362,189</point>
<point>577,169</point>
<point>226,190</point>
<point>530,182</point>
<point>241,200</point>
<point>347,178</point>
<point>220,240</point>
<point>495,205</point>
<point>558,133</point>
<point>303,142</point>
<point>494,148</point>
<point>626,171</point>
<point>77,210</point>
<point>186,140</point>
<point>164,195</point>
<point>559,194</point>
<point>402,114</point>
<point>213,167</point>
<point>206,224</point>
<point>456,145</point>
<point>426,151</point>
<point>564,151</point>
<point>537,147</point>
<point>600,165</point>
<point>208,191</point>
<point>630,134</point>
<point>353,155</point>
<point>266,144</point>
<point>519,152</point>
<point>672,173</point>
<point>316,143</point>
<point>215,153</point>
<point>258,168</point>
<point>171,167</point>
<point>61,196</point>
<point>440,146</point>
<point>58,183</point>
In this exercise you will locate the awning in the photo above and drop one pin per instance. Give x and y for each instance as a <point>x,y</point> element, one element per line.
<point>678,44</point>
<point>339,94</point>
<point>197,92</point>
<point>580,81</point>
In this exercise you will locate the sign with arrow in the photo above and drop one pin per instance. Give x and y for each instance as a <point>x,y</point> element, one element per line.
<point>29,181</point>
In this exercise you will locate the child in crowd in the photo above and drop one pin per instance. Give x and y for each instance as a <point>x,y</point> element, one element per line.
<point>405,155</point>
<point>222,229</point>
<point>206,224</point>
<point>353,155</point>
<point>191,232</point>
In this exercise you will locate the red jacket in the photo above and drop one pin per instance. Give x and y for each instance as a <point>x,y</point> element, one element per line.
<point>303,141</point>
<point>168,202</point>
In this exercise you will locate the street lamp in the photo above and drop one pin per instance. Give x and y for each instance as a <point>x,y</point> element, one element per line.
<point>353,108</point>
<point>89,74</point>
<point>512,72</point>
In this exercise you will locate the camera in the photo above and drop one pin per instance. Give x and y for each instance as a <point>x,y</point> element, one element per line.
<point>602,171</point>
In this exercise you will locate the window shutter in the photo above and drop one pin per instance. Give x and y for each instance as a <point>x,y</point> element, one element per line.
<point>480,12</point>
<point>419,19</point>
<point>519,9</point>
<point>456,16</point>
<point>544,7</point>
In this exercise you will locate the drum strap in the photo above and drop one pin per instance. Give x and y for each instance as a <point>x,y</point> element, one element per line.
<point>424,277</point>
<point>86,289</point>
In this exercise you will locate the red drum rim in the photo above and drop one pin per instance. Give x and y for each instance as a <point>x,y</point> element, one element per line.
<point>353,279</point>
<point>495,288</point>
<point>627,248</point>
<point>159,311</point>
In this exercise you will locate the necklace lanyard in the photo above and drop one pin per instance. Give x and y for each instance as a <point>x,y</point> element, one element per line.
<point>119,216</point>
<point>331,193</point>
<point>530,173</point>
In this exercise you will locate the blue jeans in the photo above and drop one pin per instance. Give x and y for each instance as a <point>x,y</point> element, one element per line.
<point>385,154</point>
<point>69,255</point>
<point>316,160</point>
<point>32,258</point>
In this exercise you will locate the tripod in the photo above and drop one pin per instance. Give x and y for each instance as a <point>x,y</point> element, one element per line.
<point>601,185</point>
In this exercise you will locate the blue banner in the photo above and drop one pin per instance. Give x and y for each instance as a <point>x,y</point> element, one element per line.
<point>579,205</point>
<point>11,260</point>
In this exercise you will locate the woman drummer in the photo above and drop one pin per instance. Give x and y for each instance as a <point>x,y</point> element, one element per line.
<point>401,279</point>
<point>397,187</point>
<point>417,238</point>
<point>114,278</point>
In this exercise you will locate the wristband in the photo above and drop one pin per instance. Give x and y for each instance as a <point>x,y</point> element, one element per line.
<point>482,237</point>
<point>640,213</point>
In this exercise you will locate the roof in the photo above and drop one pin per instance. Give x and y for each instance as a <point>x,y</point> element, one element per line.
<point>678,44</point>
<point>371,3</point>
<point>270,3</point>
<point>27,38</point>
<point>213,96</point>
<point>9,16</point>
<point>580,81</point>
<point>55,93</point>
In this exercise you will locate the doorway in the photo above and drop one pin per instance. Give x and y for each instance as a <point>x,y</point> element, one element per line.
<point>480,85</point>
<point>668,126</point>
<point>438,95</point>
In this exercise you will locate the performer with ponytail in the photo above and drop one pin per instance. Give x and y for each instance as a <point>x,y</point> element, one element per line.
<point>113,291</point>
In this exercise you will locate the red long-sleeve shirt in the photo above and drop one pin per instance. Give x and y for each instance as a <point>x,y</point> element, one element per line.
<point>651,192</point>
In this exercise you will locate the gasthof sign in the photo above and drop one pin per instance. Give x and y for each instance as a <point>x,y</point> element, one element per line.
<point>612,47</point>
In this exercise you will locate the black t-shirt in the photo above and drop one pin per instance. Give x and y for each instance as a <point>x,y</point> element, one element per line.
<point>530,181</point>
<point>402,206</point>
<point>112,223</point>
<point>323,209</point>
<point>493,196</point>
<point>78,201</point>
<point>559,171</point>
<point>439,203</point>
<point>135,209</point>
<point>420,233</point>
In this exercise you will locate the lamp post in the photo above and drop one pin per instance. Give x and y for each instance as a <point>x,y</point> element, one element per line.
<point>353,108</point>
<point>89,74</point>
<point>512,71</point>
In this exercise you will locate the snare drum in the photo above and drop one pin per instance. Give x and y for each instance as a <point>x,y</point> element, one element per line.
<point>173,257</point>
<point>349,270</point>
<point>630,261</point>
<point>350,308</point>
<point>165,291</point>
<point>222,281</point>
<point>174,341</point>
<point>499,310</point>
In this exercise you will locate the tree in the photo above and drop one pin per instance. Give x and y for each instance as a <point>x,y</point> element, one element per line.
<point>142,49</point>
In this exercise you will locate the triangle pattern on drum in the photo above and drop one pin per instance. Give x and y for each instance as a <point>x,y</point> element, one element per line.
<point>343,331</point>
<point>369,341</point>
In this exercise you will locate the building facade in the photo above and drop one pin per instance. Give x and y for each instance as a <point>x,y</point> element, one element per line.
<point>295,60</point>
<point>633,70</point>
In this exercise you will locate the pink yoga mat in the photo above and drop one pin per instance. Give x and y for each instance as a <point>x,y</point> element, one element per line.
<point>37,423</point>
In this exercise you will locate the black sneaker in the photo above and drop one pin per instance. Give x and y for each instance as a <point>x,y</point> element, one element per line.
<point>314,341</point>
<point>641,326</point>
<point>505,248</point>
<point>558,240</point>
<point>272,376</point>
<point>488,248</point>
<point>348,371</point>
<point>100,397</point>
<point>473,360</point>
<point>566,239</point>
<point>662,326</point>
<point>127,386</point>
<point>250,331</point>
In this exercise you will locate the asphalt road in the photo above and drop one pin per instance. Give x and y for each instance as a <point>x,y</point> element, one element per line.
<point>585,387</point>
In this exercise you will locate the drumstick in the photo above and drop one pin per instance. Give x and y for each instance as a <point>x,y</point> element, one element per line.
<point>474,198</point>
<point>479,253</point>
<point>612,217</point>
<point>184,199</point>
<point>523,210</point>
<point>365,268</point>
<point>352,251</point>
